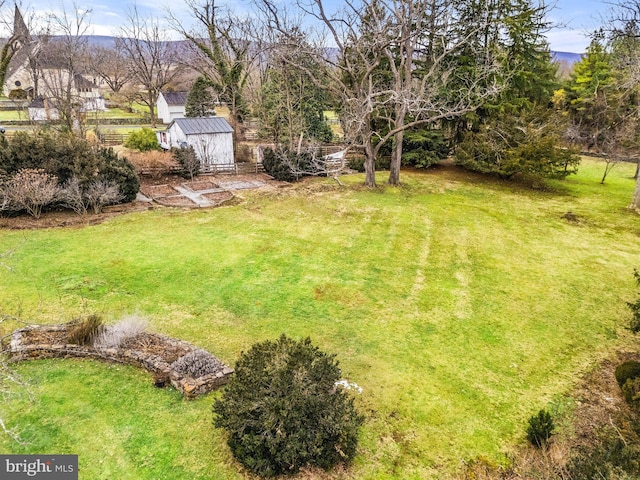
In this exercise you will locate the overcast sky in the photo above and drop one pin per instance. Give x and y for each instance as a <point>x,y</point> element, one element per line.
<point>576,18</point>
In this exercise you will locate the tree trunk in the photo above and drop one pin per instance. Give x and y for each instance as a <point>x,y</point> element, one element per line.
<point>396,159</point>
<point>636,196</point>
<point>635,175</point>
<point>152,111</point>
<point>369,163</point>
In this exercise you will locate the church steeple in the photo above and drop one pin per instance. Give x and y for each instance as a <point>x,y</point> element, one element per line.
<point>20,30</point>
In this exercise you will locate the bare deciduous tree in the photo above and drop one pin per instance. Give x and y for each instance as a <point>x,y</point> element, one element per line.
<point>623,28</point>
<point>153,59</point>
<point>111,65</point>
<point>226,50</point>
<point>390,67</point>
<point>62,62</point>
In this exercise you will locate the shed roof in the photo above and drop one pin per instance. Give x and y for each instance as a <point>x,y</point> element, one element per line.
<point>175,98</point>
<point>199,125</point>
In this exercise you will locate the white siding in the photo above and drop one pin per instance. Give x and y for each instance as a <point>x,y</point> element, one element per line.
<point>175,111</point>
<point>43,114</point>
<point>167,113</point>
<point>213,149</point>
<point>163,109</point>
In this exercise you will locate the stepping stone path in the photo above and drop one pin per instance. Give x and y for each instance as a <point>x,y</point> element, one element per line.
<point>195,194</point>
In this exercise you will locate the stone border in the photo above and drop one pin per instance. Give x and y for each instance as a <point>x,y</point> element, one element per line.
<point>19,350</point>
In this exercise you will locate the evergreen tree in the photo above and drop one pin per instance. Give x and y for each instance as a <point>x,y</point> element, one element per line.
<point>592,94</point>
<point>516,133</point>
<point>292,104</point>
<point>200,101</point>
<point>603,110</point>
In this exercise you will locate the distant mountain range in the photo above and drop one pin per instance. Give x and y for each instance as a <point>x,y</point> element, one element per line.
<point>568,57</point>
<point>109,42</point>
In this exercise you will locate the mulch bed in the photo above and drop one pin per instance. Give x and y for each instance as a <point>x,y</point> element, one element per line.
<point>153,352</point>
<point>159,191</point>
<point>200,185</point>
<point>218,197</point>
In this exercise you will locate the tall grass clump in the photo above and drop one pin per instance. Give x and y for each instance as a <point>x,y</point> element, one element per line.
<point>114,336</point>
<point>84,331</point>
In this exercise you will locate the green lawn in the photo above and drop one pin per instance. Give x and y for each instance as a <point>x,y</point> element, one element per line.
<point>139,111</point>
<point>462,305</point>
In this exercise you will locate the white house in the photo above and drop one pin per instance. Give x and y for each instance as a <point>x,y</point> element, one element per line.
<point>210,137</point>
<point>170,105</point>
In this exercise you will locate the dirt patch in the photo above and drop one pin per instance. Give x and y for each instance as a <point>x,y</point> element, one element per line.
<point>156,191</point>
<point>176,201</point>
<point>67,218</point>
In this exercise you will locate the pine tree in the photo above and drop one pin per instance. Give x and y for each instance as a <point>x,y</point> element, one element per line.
<point>200,101</point>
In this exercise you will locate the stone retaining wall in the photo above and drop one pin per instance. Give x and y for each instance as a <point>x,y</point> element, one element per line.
<point>20,348</point>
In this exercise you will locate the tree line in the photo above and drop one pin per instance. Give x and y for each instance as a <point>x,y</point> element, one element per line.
<point>410,80</point>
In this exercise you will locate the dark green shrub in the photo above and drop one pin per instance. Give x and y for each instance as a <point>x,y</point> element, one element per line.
<point>634,324</point>
<point>421,148</point>
<point>283,409</point>
<point>68,158</point>
<point>540,428</point>
<point>188,161</point>
<point>627,370</point>
<point>144,139</point>
<point>120,171</point>
<point>84,331</point>
<point>356,162</point>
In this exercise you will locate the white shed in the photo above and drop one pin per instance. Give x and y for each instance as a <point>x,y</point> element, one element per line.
<point>171,105</point>
<point>42,110</point>
<point>210,137</point>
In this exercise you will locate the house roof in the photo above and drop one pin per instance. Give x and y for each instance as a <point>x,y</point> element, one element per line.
<point>82,82</point>
<point>199,125</point>
<point>37,102</point>
<point>175,98</point>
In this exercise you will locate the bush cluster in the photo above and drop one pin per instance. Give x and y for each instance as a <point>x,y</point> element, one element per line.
<point>188,161</point>
<point>627,371</point>
<point>153,162</point>
<point>196,364</point>
<point>356,162</point>
<point>628,377</point>
<point>288,166</point>
<point>283,409</point>
<point>43,169</point>
<point>143,139</point>
<point>516,149</point>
